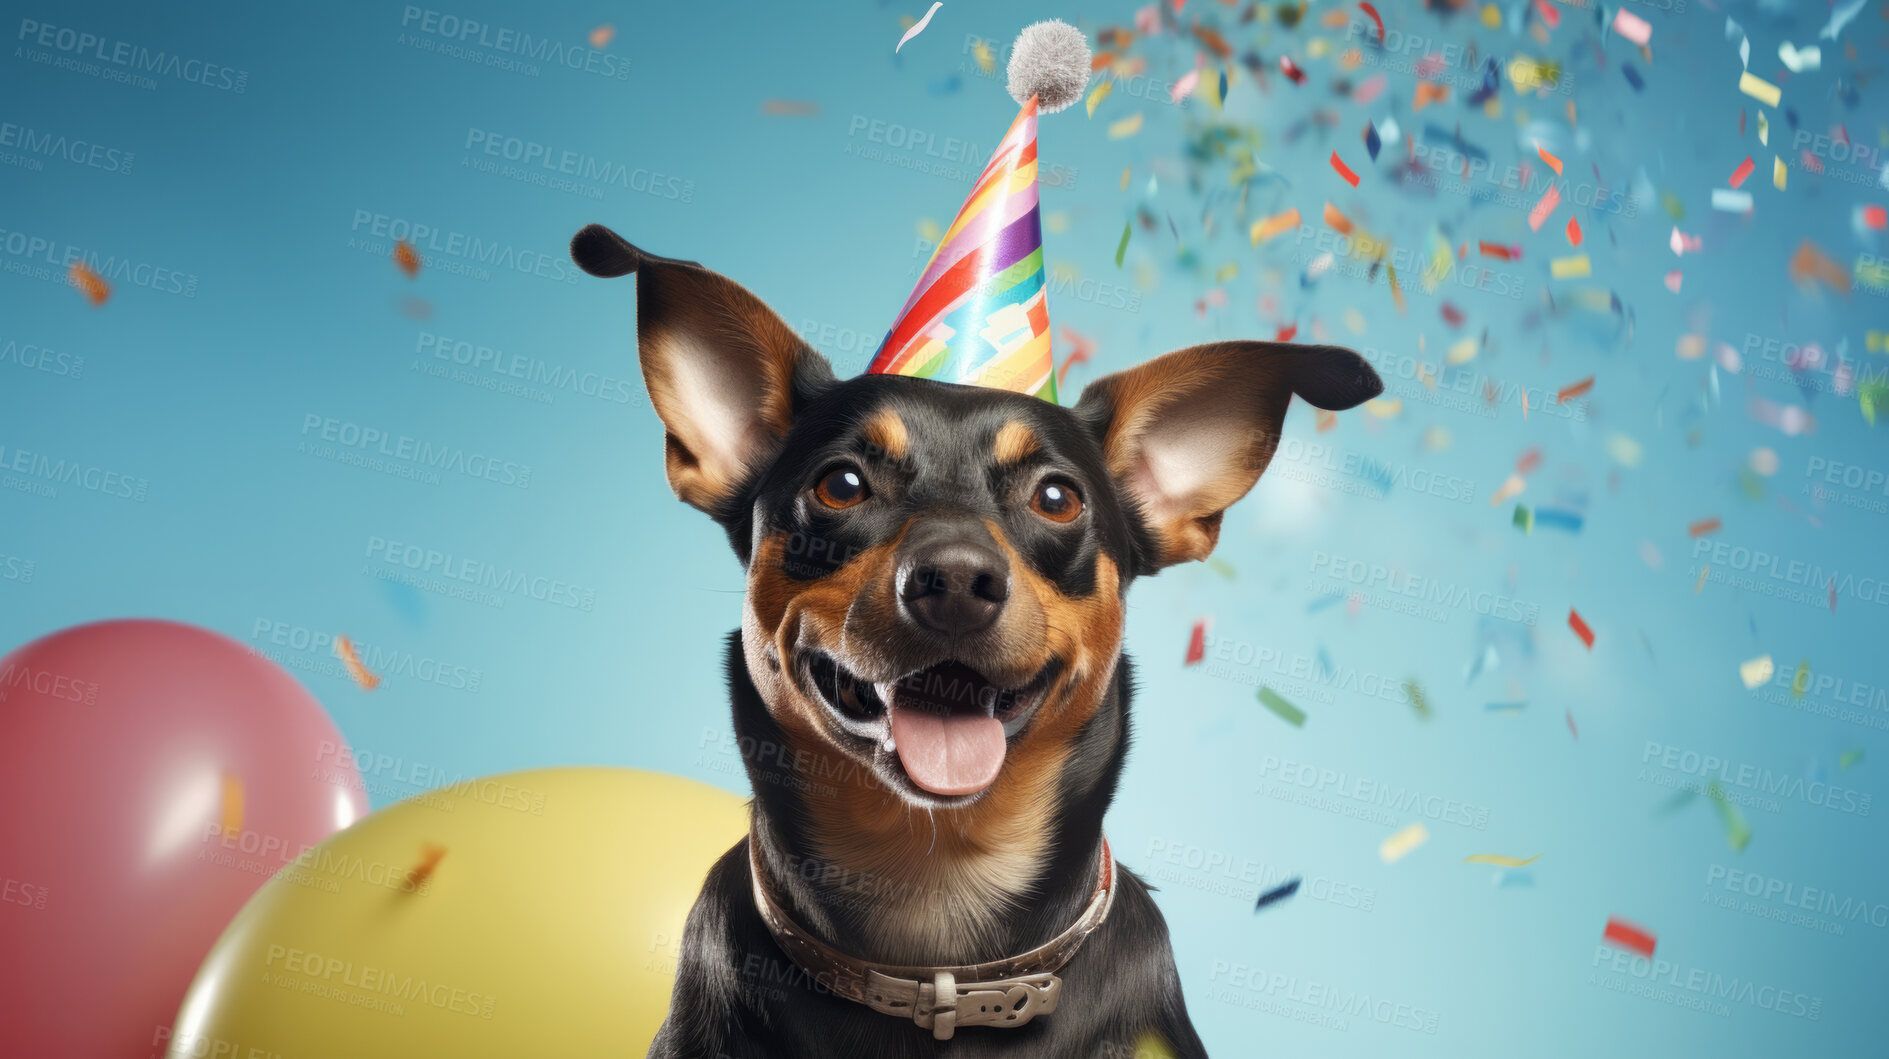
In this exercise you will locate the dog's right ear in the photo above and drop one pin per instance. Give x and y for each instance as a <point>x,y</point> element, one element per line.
<point>724,372</point>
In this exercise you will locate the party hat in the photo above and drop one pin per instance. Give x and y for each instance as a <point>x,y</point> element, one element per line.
<point>979,314</point>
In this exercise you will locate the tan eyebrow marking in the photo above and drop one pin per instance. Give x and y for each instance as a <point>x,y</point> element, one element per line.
<point>1014,442</point>
<point>886,432</point>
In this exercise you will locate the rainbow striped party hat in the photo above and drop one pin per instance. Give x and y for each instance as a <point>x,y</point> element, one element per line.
<point>979,314</point>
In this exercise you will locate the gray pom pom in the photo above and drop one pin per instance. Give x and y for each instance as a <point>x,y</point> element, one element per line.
<point>1050,61</point>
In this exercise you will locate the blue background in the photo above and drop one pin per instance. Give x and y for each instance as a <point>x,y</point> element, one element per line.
<point>265,204</point>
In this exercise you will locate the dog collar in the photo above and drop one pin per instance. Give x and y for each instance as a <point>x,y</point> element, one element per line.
<point>1006,992</point>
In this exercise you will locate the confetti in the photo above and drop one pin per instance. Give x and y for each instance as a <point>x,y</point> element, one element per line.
<point>1096,97</point>
<point>1840,18</point>
<point>1126,127</point>
<point>1343,169</point>
<point>1632,27</point>
<point>1122,247</point>
<point>1544,208</point>
<point>1759,89</point>
<point>1336,221</point>
<point>1418,702</point>
<point>1278,893</point>
<point>1704,571</point>
<point>1737,830</point>
<point>1399,845</point>
<point>1633,76</point>
<point>1560,518</point>
<point>1197,644</point>
<point>407,258</point>
<point>1523,519</point>
<point>1574,232</point>
<point>1756,671</point>
<point>601,37</point>
<point>1428,93</point>
<point>1874,218</point>
<point>1573,731</point>
<point>1375,19</point>
<point>1674,279</point>
<point>1580,628</point>
<point>981,54</point>
<point>1497,251</point>
<point>232,804</point>
<point>1499,860</point>
<point>1271,226</point>
<point>1703,527</point>
<point>1287,712</point>
<point>1850,757</point>
<point>1510,488</point>
<point>1291,70</point>
<point>919,26</point>
<point>344,650</point>
<point>1184,87</point>
<point>1810,262</point>
<point>1576,267</point>
<point>1625,935</point>
<point>1726,200</point>
<point>1800,680</point>
<point>430,854</point>
<point>1548,159</point>
<point>1573,389</point>
<point>89,283</point>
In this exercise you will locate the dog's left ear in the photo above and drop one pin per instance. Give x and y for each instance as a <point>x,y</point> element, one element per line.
<point>1189,433</point>
<point>724,372</point>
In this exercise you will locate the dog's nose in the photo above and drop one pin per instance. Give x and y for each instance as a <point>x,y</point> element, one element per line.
<point>956,587</point>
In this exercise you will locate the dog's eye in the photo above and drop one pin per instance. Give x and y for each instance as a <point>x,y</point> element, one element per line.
<point>841,488</point>
<point>1056,501</point>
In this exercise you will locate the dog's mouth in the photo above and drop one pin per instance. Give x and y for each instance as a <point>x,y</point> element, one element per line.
<point>943,729</point>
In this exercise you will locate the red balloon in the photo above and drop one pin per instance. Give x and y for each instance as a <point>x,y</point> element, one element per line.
<point>154,776</point>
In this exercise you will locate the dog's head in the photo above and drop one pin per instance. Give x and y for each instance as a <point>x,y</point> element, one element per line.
<point>936,572</point>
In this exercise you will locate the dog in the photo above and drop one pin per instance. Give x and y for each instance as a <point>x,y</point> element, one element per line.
<point>928,683</point>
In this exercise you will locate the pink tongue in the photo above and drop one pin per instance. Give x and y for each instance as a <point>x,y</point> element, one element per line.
<point>948,753</point>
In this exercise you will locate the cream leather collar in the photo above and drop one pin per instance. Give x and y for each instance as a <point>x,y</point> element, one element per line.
<point>1006,992</point>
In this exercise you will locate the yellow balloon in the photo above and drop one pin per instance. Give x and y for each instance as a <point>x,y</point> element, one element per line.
<point>531,913</point>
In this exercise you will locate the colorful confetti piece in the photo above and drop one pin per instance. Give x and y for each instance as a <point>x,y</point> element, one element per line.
<point>1580,628</point>
<point>1278,893</point>
<point>1400,845</point>
<point>1344,170</point>
<point>1499,860</point>
<point>1287,712</point>
<point>89,283</point>
<point>344,650</point>
<point>919,26</point>
<point>1757,672</point>
<point>1629,936</point>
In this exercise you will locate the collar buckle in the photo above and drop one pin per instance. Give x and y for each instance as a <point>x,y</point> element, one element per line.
<point>943,1004</point>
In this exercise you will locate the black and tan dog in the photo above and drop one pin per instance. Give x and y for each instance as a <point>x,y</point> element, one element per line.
<point>928,683</point>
